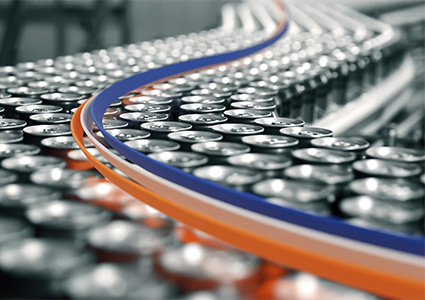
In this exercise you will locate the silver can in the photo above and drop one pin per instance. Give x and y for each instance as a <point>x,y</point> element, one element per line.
<point>186,161</point>
<point>273,125</point>
<point>276,144</point>
<point>218,152</point>
<point>323,156</point>
<point>268,164</point>
<point>152,145</point>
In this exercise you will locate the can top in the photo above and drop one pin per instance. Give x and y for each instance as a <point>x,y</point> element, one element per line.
<point>237,129</point>
<point>41,257</point>
<point>279,122</point>
<point>18,101</point>
<point>81,90</point>
<point>198,261</point>
<point>202,108</point>
<point>51,118</point>
<point>371,208</point>
<point>142,99</point>
<point>389,189</point>
<point>228,175</point>
<point>62,178</point>
<point>48,130</point>
<point>248,114</point>
<point>127,134</point>
<point>79,154</point>
<point>180,159</point>
<point>249,97</point>
<point>199,99</point>
<point>38,109</point>
<point>125,237</point>
<point>8,124</point>
<point>253,105</point>
<point>9,150</point>
<point>27,91</point>
<point>165,126</point>
<point>193,136</point>
<point>203,119</point>
<point>148,108</point>
<point>325,174</point>
<point>21,195</point>
<point>260,91</point>
<point>306,132</point>
<point>7,177</point>
<point>67,215</point>
<point>12,229</point>
<point>143,117</point>
<point>112,124</point>
<point>260,161</point>
<point>291,190</point>
<point>341,143</point>
<point>397,154</point>
<point>62,97</point>
<point>9,137</point>
<point>386,168</point>
<point>60,142</point>
<point>270,141</point>
<point>222,149</point>
<point>152,145</point>
<point>28,164</point>
<point>319,155</point>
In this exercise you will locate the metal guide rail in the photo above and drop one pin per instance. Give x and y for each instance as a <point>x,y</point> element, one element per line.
<point>262,127</point>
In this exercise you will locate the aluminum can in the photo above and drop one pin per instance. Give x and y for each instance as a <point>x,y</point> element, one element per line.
<point>398,154</point>
<point>245,115</point>
<point>385,168</point>
<point>273,125</point>
<point>218,152</point>
<point>306,134</point>
<point>12,229</point>
<point>50,118</point>
<point>234,132</point>
<point>186,161</point>
<point>152,145</point>
<point>203,121</point>
<point>268,164</point>
<point>201,108</point>
<point>24,112</point>
<point>189,137</point>
<point>135,119</point>
<point>322,156</point>
<point>126,134</point>
<point>12,150</point>
<point>35,133</point>
<point>11,136</point>
<point>352,144</point>
<point>7,177</point>
<point>160,129</point>
<point>273,144</point>
<point>9,104</point>
<point>12,124</point>
<point>25,91</point>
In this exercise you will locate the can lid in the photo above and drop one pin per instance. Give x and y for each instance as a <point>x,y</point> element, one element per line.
<point>325,174</point>
<point>48,130</point>
<point>180,159</point>
<point>41,257</point>
<point>142,99</point>
<point>400,190</point>
<point>79,154</point>
<point>143,117</point>
<point>153,108</point>
<point>125,237</point>
<point>7,177</point>
<point>127,134</point>
<point>397,154</point>
<point>38,109</point>
<point>9,137</point>
<point>253,105</point>
<point>223,149</point>
<point>203,108</point>
<point>306,132</point>
<point>237,129</point>
<point>207,99</point>
<point>13,229</point>
<point>371,208</point>
<point>112,124</point>
<point>18,101</point>
<point>67,215</point>
<point>248,114</point>
<point>60,142</point>
<point>228,175</point>
<point>203,119</point>
<point>341,143</point>
<point>9,150</point>
<point>32,163</point>
<point>377,167</point>
<point>62,97</point>
<point>165,126</point>
<point>193,136</point>
<point>21,195</point>
<point>319,155</point>
<point>291,190</point>
<point>152,145</point>
<point>81,90</point>
<point>279,122</point>
<point>260,161</point>
<point>27,91</point>
<point>62,178</point>
<point>270,141</point>
<point>51,118</point>
<point>316,207</point>
<point>8,124</point>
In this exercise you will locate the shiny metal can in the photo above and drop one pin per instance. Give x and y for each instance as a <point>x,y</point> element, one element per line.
<point>50,118</point>
<point>11,136</point>
<point>35,133</point>
<point>398,154</point>
<point>203,121</point>
<point>66,219</point>
<point>304,196</point>
<point>124,241</point>
<point>26,91</point>
<point>126,134</point>
<point>201,108</point>
<point>10,150</point>
<point>238,178</point>
<point>260,106</point>
<point>58,145</point>
<point>12,229</point>
<point>9,104</point>
<point>135,119</point>
<point>273,125</point>
<point>245,115</point>
<point>24,112</point>
<point>7,177</point>
<point>117,281</point>
<point>160,129</point>
<point>306,134</point>
<point>202,99</point>
<point>356,145</point>
<point>186,161</point>
<point>385,168</point>
<point>39,266</point>
<point>268,164</point>
<point>189,137</point>
<point>12,124</point>
<point>323,156</point>
<point>148,108</point>
<point>274,144</point>
<point>235,132</point>
<point>218,152</point>
<point>323,174</point>
<point>152,145</point>
<point>109,124</point>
